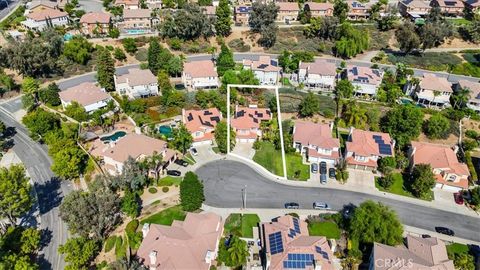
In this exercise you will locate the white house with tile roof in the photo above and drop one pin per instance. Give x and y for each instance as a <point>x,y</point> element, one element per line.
<point>136,83</point>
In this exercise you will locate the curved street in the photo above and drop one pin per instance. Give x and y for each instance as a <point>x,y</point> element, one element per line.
<point>224,181</point>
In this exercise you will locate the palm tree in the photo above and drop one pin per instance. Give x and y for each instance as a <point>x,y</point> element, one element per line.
<point>354,115</point>
<point>182,139</point>
<point>238,251</point>
<point>435,95</point>
<point>350,262</point>
<point>154,162</point>
<point>460,98</point>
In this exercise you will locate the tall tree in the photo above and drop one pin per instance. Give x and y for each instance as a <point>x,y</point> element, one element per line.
<point>69,162</point>
<point>49,95</point>
<point>423,180</point>
<point>407,37</point>
<point>235,254</point>
<point>225,60</point>
<point>309,105</point>
<point>221,137</point>
<point>15,190</point>
<point>39,122</point>
<point>374,222</point>
<point>340,10</point>
<point>223,24</point>
<point>191,192</point>
<point>152,55</point>
<point>106,70</point>
<point>262,20</point>
<point>354,115</point>
<point>79,252</point>
<point>182,139</point>
<point>437,126</point>
<point>403,123</point>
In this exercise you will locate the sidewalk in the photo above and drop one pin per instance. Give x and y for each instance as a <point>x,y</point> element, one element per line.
<point>362,189</point>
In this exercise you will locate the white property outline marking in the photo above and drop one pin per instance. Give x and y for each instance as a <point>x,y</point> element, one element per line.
<point>279,117</point>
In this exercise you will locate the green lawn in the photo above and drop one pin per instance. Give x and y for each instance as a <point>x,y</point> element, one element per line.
<point>216,150</point>
<point>241,225</point>
<point>166,217</point>
<point>188,158</point>
<point>169,181</point>
<point>399,187</point>
<point>459,21</point>
<point>457,248</point>
<point>325,228</point>
<point>271,159</point>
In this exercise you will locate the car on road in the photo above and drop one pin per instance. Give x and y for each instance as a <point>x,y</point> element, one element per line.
<point>323,178</point>
<point>292,205</point>
<point>174,173</point>
<point>458,198</point>
<point>314,167</point>
<point>321,206</point>
<point>331,172</point>
<point>193,151</point>
<point>181,162</point>
<point>445,230</point>
<point>323,167</point>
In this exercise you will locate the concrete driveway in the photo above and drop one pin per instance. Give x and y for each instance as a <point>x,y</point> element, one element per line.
<point>205,154</point>
<point>244,149</point>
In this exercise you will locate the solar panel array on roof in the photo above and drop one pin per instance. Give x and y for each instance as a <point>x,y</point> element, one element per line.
<point>262,66</point>
<point>189,117</point>
<point>355,71</point>
<point>273,63</point>
<point>321,252</point>
<point>296,225</point>
<point>383,148</point>
<point>292,233</point>
<point>276,243</point>
<point>207,113</point>
<point>244,9</point>
<point>298,261</point>
<point>215,119</point>
<point>240,113</point>
<point>450,3</point>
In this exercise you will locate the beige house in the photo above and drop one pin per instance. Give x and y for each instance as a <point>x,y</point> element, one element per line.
<point>433,91</point>
<point>474,93</point>
<point>358,10</point>
<point>449,7</point>
<point>316,142</point>
<point>136,83</point>
<point>450,174</point>
<point>37,5</point>
<point>87,94</point>
<point>128,4</point>
<point>473,5</point>
<point>364,148</point>
<point>414,8</point>
<point>201,124</point>
<point>320,9</point>
<point>200,75</point>
<point>137,21</point>
<point>317,76</point>
<point>246,122</point>
<point>287,11</point>
<point>95,23</point>
<point>241,15</point>
<point>418,254</point>
<point>189,244</point>
<point>41,18</point>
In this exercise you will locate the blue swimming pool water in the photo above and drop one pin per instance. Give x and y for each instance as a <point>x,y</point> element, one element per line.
<point>114,137</point>
<point>136,31</point>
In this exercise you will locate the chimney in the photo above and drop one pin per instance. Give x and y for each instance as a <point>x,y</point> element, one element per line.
<point>145,229</point>
<point>455,148</point>
<point>153,259</point>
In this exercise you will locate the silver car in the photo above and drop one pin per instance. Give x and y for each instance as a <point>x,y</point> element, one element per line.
<point>321,206</point>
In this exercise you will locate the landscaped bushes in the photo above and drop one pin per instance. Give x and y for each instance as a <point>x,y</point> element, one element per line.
<point>110,243</point>
<point>471,168</point>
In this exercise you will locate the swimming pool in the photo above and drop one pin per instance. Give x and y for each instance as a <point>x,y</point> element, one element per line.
<point>137,31</point>
<point>165,130</point>
<point>114,137</point>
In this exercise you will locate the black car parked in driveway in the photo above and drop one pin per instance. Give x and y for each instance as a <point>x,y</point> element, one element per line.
<point>181,162</point>
<point>323,167</point>
<point>292,205</point>
<point>444,230</point>
<point>174,173</point>
<point>331,173</point>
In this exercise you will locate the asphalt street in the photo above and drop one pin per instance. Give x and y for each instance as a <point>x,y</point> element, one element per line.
<point>224,180</point>
<point>5,9</point>
<point>49,189</point>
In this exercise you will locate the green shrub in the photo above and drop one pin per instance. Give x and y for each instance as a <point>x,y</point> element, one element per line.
<point>120,248</point>
<point>472,134</point>
<point>141,55</point>
<point>471,168</point>
<point>175,44</point>
<point>294,215</point>
<point>110,243</point>
<point>132,226</point>
<point>165,189</point>
<point>239,45</point>
<point>152,190</point>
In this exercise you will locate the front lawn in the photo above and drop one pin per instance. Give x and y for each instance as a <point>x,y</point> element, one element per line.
<point>169,181</point>
<point>328,229</point>
<point>241,225</point>
<point>457,248</point>
<point>166,217</point>
<point>399,187</point>
<point>271,159</point>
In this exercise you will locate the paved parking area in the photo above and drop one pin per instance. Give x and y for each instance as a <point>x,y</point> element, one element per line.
<point>244,149</point>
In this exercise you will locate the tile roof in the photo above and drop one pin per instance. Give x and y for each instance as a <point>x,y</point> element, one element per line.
<point>135,146</point>
<point>431,82</point>
<point>416,3</point>
<point>474,88</point>
<point>95,17</point>
<point>137,13</point>
<point>136,76</point>
<point>439,157</point>
<point>85,94</point>
<point>243,9</point>
<point>296,242</point>
<point>358,5</point>
<point>420,253</point>
<point>264,62</point>
<point>450,3</point>
<point>43,14</point>
<point>184,244</point>
<point>200,69</point>
<point>320,67</point>
<point>314,6</point>
<point>287,6</point>
<point>248,118</point>
<point>46,3</point>
<point>473,3</point>
<point>127,2</point>
<point>362,142</point>
<point>200,120</point>
<point>320,135</point>
<point>364,75</point>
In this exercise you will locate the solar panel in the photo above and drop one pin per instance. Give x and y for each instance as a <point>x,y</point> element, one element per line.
<point>215,119</point>
<point>207,113</point>
<point>296,225</point>
<point>376,137</point>
<point>189,117</point>
<point>240,113</point>
<point>298,261</point>
<point>276,243</point>
<point>449,3</point>
<point>318,249</point>
<point>273,63</point>
<point>262,66</point>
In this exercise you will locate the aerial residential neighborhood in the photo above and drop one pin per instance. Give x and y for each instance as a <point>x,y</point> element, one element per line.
<point>215,134</point>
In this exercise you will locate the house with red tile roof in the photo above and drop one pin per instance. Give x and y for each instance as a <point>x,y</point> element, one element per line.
<point>414,8</point>
<point>136,83</point>
<point>201,124</point>
<point>358,10</point>
<point>136,146</point>
<point>320,9</point>
<point>41,18</point>
<point>473,93</point>
<point>95,23</point>
<point>87,94</point>
<point>200,75</point>
<point>449,7</point>
<point>189,244</point>
<point>418,254</point>
<point>365,80</point>
<point>317,76</point>
<point>266,69</point>
<point>287,11</point>
<point>127,4</point>
<point>246,122</point>
<point>433,91</point>
<point>450,174</point>
<point>316,142</point>
<point>287,245</point>
<point>473,5</point>
<point>137,21</point>
<point>363,148</point>
<point>41,4</point>
<point>241,14</point>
